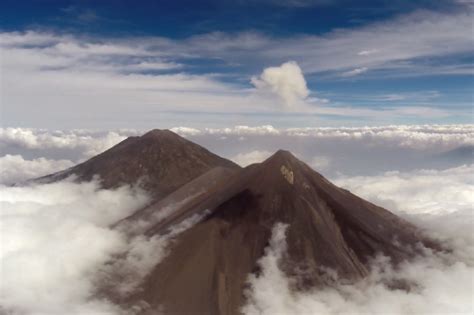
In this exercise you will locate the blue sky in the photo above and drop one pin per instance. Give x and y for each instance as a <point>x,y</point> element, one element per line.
<point>180,19</point>
<point>113,64</point>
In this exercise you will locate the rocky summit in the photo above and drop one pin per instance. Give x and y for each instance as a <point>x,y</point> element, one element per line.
<point>208,264</point>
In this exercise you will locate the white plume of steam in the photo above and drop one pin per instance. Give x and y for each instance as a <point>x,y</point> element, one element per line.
<point>286,81</point>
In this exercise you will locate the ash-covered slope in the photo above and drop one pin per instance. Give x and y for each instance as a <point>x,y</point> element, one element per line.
<point>160,159</point>
<point>328,227</point>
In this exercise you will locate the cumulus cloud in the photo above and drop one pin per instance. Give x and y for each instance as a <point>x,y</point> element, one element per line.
<point>15,169</point>
<point>286,81</point>
<point>438,201</point>
<point>58,248</point>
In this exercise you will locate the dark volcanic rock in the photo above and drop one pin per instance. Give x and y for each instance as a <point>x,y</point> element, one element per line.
<point>208,264</point>
<point>160,159</point>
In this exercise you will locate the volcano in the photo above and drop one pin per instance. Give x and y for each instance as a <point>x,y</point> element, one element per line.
<point>208,264</point>
<point>160,160</point>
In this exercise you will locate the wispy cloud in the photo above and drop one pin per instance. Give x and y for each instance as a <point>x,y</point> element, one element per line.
<point>367,52</point>
<point>354,72</point>
<point>15,168</point>
<point>81,16</point>
<point>406,37</point>
<point>123,77</point>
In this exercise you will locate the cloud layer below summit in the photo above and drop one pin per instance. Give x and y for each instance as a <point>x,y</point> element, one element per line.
<point>357,151</point>
<point>35,219</point>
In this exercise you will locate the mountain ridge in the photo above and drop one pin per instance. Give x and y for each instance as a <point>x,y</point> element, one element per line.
<point>209,262</point>
<point>328,227</point>
<point>160,160</point>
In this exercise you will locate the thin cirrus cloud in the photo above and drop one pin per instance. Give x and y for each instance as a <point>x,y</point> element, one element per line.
<point>354,72</point>
<point>375,46</point>
<point>367,52</point>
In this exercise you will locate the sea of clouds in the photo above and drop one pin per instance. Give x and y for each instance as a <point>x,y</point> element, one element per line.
<point>441,203</point>
<point>55,237</point>
<point>57,241</point>
<point>27,153</point>
<point>58,250</point>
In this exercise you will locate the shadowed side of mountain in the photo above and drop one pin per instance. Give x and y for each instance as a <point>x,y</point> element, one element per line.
<point>178,201</point>
<point>328,227</point>
<point>160,160</point>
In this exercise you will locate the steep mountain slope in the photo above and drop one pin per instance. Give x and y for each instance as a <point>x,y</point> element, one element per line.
<point>328,227</point>
<point>160,159</point>
<point>184,197</point>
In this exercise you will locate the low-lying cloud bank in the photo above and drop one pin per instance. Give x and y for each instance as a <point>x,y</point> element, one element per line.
<point>414,136</point>
<point>441,202</point>
<point>438,201</point>
<point>350,151</point>
<point>91,142</point>
<point>15,169</point>
<point>78,143</point>
<point>56,243</point>
<point>58,248</point>
<point>56,238</point>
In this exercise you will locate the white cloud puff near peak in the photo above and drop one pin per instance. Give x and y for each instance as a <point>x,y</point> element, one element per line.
<point>286,81</point>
